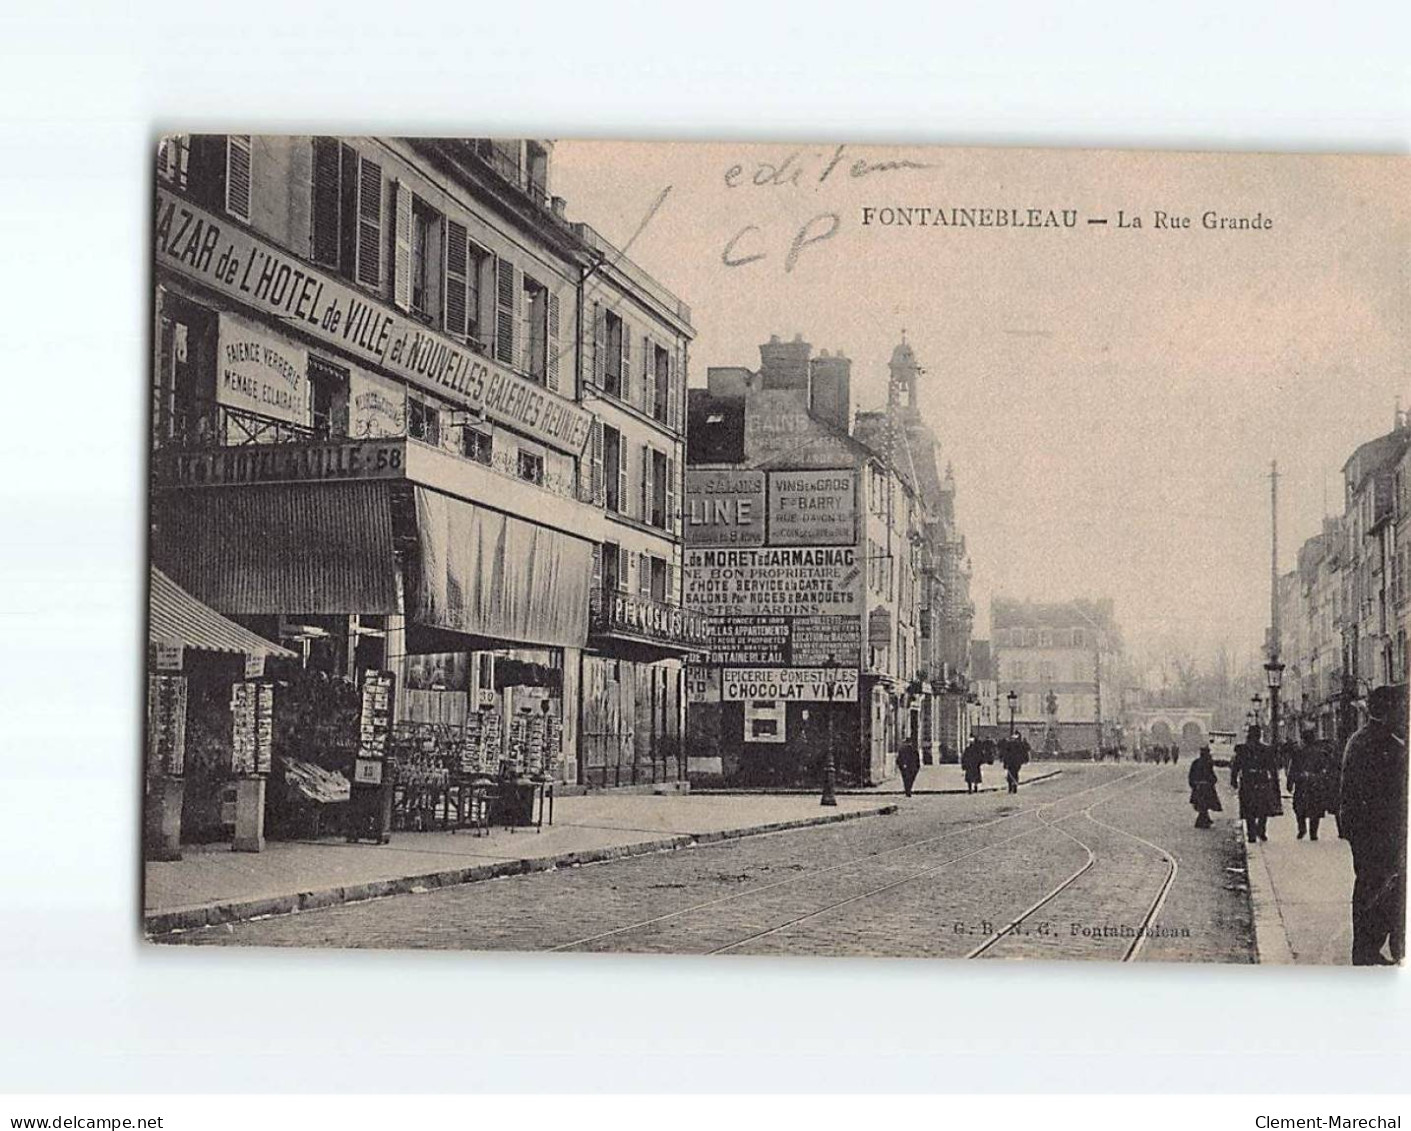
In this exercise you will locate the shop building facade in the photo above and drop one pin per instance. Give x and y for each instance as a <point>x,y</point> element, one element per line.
<point>636,353</point>
<point>802,548</point>
<point>370,437</point>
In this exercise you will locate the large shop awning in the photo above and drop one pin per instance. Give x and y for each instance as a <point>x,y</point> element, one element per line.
<point>179,618</point>
<point>487,574</point>
<point>281,548</point>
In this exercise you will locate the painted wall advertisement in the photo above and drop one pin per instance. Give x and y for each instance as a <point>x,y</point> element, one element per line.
<point>724,508</point>
<point>252,737</point>
<point>205,248</point>
<point>260,373</point>
<point>774,581</point>
<point>812,508</point>
<point>802,685</point>
<point>811,641</point>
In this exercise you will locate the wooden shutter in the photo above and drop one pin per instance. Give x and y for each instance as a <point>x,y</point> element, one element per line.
<point>325,204</point>
<point>673,394</point>
<point>622,488</point>
<point>369,223</point>
<point>457,278</point>
<point>644,575</point>
<point>647,483</point>
<point>623,561</point>
<point>597,567</point>
<point>649,388</point>
<point>551,345</point>
<point>673,591</point>
<point>401,245</point>
<point>600,331</point>
<point>673,518</point>
<point>596,464</point>
<point>237,175</point>
<point>348,162</point>
<point>624,383</point>
<point>506,285</point>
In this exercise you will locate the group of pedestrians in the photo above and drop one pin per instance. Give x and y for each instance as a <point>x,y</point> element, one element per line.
<point>1166,755</point>
<point>1365,792</point>
<point>1012,752</point>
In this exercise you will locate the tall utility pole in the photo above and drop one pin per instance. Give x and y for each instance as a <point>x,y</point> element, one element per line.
<point>1274,641</point>
<point>1097,692</point>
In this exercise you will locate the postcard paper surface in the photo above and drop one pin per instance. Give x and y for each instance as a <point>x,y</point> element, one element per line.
<point>852,550</point>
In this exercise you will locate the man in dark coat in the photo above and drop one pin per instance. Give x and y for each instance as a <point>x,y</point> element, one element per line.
<point>1204,798</point>
<point>908,762</point>
<point>1254,771</point>
<point>970,762</point>
<point>1309,768</point>
<point>1372,818</point>
<point>1014,753</point>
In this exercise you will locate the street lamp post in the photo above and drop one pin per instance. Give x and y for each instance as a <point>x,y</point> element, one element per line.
<point>1258,701</point>
<point>1013,698</point>
<point>830,764</point>
<point>1275,673</point>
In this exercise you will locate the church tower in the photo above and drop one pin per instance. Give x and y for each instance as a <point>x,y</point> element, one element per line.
<point>904,374</point>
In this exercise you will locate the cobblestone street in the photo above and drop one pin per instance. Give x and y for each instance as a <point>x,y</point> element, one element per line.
<point>1072,867</point>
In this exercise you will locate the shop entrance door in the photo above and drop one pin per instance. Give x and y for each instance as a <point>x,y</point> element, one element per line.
<point>607,742</point>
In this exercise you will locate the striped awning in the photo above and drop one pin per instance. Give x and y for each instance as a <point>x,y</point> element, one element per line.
<point>176,617</point>
<point>280,548</point>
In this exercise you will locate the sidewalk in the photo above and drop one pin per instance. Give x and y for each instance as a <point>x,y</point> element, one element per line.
<point>212,884</point>
<point>1302,893</point>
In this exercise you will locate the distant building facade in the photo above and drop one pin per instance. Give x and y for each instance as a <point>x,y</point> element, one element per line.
<point>1060,661</point>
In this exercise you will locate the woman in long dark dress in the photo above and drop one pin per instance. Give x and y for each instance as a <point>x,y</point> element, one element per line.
<point>1255,773</point>
<point>1204,797</point>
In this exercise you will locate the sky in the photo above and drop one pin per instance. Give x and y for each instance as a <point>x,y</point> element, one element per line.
<point>1110,396</point>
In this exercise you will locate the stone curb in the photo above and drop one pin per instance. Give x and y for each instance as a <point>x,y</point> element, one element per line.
<point>702,791</point>
<point>158,923</point>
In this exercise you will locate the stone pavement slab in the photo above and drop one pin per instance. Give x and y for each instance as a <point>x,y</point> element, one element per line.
<point>1302,893</point>
<point>213,884</point>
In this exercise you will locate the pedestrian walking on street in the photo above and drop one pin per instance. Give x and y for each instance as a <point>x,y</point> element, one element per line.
<point>1309,769</point>
<point>1372,818</point>
<point>970,761</point>
<point>1255,773</point>
<point>1014,753</point>
<point>908,762</point>
<point>1204,797</point>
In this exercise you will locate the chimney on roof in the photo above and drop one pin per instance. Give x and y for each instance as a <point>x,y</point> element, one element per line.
<point>830,388</point>
<point>784,365</point>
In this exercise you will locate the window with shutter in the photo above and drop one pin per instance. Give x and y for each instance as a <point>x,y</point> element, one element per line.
<point>625,370</point>
<point>370,223</point>
<point>681,382</point>
<point>673,516</point>
<point>326,202</point>
<point>597,567</point>
<point>506,289</point>
<point>173,157</point>
<point>599,340</point>
<point>622,488</point>
<point>596,461</point>
<point>402,236</point>
<point>647,483</point>
<point>237,175</point>
<point>348,162</point>
<point>648,377</point>
<point>644,575</point>
<point>553,366</point>
<point>673,394</point>
<point>457,287</point>
<point>623,558</point>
